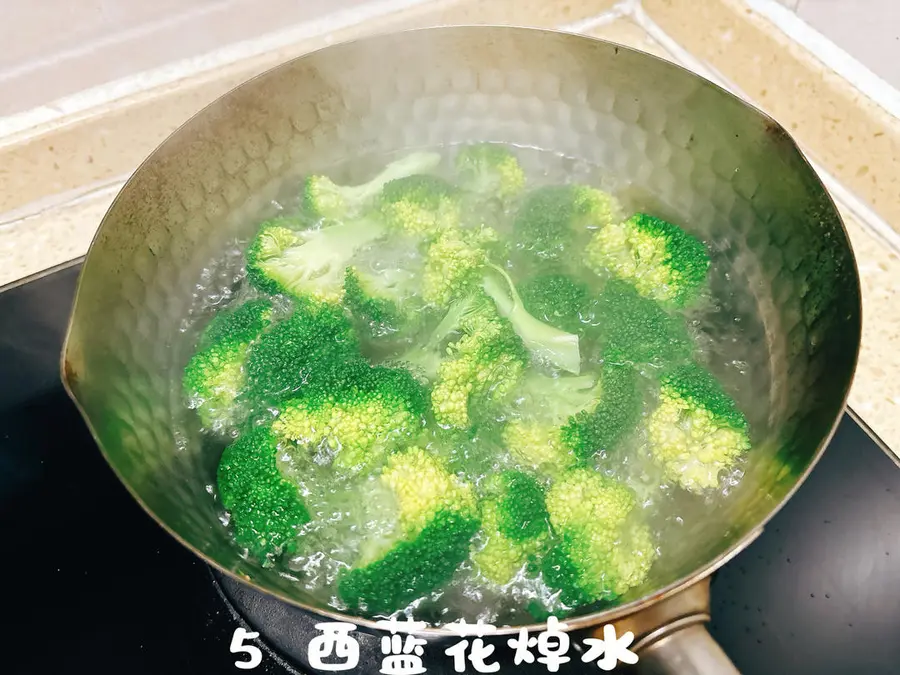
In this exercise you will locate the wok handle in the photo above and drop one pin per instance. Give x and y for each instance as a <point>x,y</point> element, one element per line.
<point>685,650</point>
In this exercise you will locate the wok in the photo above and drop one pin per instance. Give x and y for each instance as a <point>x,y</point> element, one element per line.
<point>685,148</point>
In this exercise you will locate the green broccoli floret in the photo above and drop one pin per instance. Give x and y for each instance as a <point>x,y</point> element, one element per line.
<point>561,301</point>
<point>697,431</point>
<point>473,359</point>
<point>552,219</point>
<point>309,263</point>
<point>558,422</point>
<point>480,368</point>
<point>215,375</point>
<point>546,343</point>
<point>436,520</point>
<point>602,548</point>
<point>542,406</point>
<point>383,303</point>
<point>424,359</point>
<point>304,353</point>
<point>514,525</point>
<point>373,412</point>
<point>663,261</point>
<point>602,428</point>
<point>636,330</point>
<point>454,263</point>
<point>490,170</point>
<point>322,198</point>
<point>266,511</point>
<point>420,205</point>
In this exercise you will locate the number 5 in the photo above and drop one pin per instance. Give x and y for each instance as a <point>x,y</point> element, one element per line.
<point>238,647</point>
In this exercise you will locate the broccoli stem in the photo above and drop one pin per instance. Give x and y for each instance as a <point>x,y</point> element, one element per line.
<point>415,163</point>
<point>544,341</point>
<point>322,256</point>
<point>427,358</point>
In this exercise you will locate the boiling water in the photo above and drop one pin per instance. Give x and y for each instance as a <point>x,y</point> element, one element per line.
<point>340,528</point>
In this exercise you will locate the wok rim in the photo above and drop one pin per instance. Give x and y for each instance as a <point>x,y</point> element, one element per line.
<point>576,621</point>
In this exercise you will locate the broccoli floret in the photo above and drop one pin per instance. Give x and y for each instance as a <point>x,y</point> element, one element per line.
<point>266,511</point>
<point>490,170</point>
<point>382,303</point>
<point>636,330</point>
<point>306,352</point>
<point>663,261</point>
<point>552,219</point>
<point>420,205</point>
<point>412,568</point>
<point>480,368</point>
<point>323,199</point>
<point>602,428</point>
<point>371,413</point>
<point>454,264</point>
<point>436,520</point>
<point>215,375</point>
<point>514,525</point>
<point>309,263</point>
<point>561,301</point>
<point>542,405</point>
<point>697,431</point>
<point>546,343</point>
<point>424,359</point>
<point>538,445</point>
<point>602,548</point>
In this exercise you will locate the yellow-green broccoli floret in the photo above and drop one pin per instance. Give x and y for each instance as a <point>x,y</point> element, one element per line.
<point>215,374</point>
<point>480,368</point>
<point>309,263</point>
<point>554,219</point>
<point>602,549</point>
<point>436,520</point>
<point>266,511</point>
<point>542,406</point>
<point>515,525</point>
<point>538,445</point>
<point>420,205</point>
<point>663,261</point>
<point>322,198</point>
<point>490,170</point>
<point>374,410</point>
<point>546,343</point>
<point>697,431</point>
<point>454,264</point>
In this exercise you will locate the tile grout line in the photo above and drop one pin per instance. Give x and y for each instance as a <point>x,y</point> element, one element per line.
<point>831,55</point>
<point>119,37</point>
<point>617,11</point>
<point>75,107</point>
<point>102,189</point>
<point>874,224</point>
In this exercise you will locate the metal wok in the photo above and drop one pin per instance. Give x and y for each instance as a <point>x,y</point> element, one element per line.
<point>687,149</point>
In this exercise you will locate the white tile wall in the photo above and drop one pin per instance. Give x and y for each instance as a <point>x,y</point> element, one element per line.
<point>869,30</point>
<point>54,48</point>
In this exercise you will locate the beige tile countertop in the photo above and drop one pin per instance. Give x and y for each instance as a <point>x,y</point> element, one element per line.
<point>61,165</point>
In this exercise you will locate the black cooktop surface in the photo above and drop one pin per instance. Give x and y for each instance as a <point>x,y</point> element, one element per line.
<point>92,584</point>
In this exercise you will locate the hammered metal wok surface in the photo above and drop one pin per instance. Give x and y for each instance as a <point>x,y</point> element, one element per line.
<point>689,150</point>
